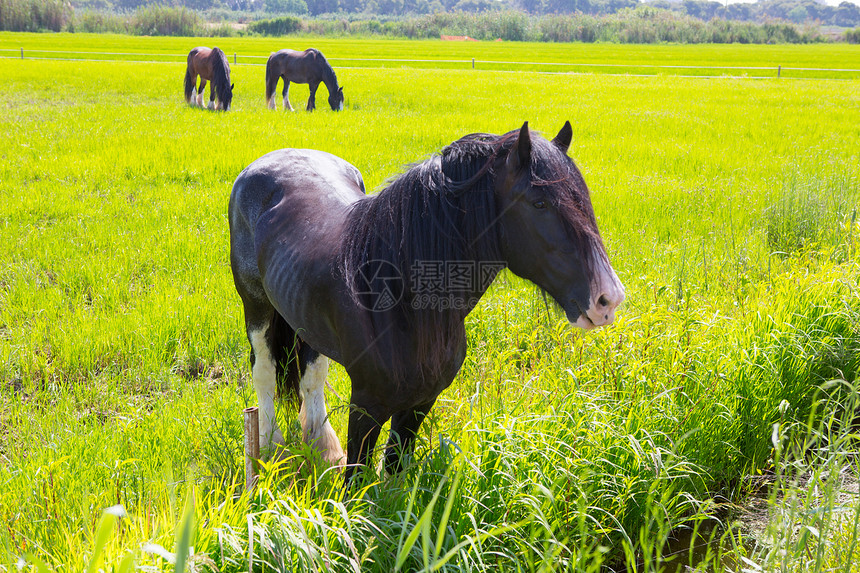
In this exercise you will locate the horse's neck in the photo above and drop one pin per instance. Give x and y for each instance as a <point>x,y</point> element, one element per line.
<point>330,80</point>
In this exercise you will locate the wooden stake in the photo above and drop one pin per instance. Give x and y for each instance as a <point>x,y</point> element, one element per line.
<point>252,446</point>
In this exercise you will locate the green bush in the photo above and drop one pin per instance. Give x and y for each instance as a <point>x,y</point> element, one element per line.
<point>156,20</point>
<point>33,15</point>
<point>97,23</point>
<point>276,26</point>
<point>853,36</point>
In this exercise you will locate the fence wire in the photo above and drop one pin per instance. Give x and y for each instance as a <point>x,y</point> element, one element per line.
<point>470,63</point>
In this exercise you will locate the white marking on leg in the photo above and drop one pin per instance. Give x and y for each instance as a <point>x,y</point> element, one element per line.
<point>271,102</point>
<point>287,106</point>
<point>193,99</point>
<point>200,99</point>
<point>316,429</point>
<point>266,385</point>
<point>211,104</point>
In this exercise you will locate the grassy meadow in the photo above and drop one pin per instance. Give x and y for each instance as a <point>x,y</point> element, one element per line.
<point>837,61</point>
<point>728,207</point>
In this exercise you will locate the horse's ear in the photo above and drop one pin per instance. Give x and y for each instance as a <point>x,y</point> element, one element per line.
<point>562,140</point>
<point>520,156</point>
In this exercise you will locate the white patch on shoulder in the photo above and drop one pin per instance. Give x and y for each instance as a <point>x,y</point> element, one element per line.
<point>266,385</point>
<point>316,429</point>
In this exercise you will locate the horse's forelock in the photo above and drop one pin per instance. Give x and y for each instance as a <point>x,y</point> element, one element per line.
<point>565,187</point>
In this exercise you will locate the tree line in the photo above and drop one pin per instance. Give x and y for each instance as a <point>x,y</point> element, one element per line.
<point>846,14</point>
<point>634,23</point>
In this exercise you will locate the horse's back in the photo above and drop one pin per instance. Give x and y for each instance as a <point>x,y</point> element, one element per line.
<point>197,58</point>
<point>296,198</point>
<point>298,65</point>
<point>298,178</point>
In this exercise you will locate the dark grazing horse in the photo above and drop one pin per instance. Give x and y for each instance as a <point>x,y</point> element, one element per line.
<point>325,271</point>
<point>211,65</point>
<point>308,67</point>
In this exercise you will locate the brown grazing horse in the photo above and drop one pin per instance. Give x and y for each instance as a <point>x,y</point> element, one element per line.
<point>327,272</point>
<point>211,65</point>
<point>308,67</point>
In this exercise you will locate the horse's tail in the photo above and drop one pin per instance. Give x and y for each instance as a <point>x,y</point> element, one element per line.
<point>271,78</point>
<point>291,355</point>
<point>189,78</point>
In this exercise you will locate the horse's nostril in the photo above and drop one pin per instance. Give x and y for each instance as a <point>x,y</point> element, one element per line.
<point>602,301</point>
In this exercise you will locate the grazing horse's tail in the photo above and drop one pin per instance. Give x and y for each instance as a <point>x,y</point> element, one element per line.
<point>291,355</point>
<point>271,78</point>
<point>189,78</point>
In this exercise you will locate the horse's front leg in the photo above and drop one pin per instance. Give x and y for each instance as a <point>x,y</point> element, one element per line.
<point>286,94</point>
<point>316,429</point>
<point>364,426</point>
<point>312,100</point>
<point>200,92</point>
<point>401,439</point>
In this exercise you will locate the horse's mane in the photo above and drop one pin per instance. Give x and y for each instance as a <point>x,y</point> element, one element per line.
<point>221,76</point>
<point>329,78</point>
<point>444,210</point>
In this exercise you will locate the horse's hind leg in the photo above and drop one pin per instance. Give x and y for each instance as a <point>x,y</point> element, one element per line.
<point>264,371</point>
<point>316,429</point>
<point>286,94</point>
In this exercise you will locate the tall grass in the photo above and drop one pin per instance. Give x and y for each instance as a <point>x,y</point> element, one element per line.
<point>643,25</point>
<point>123,362</point>
<point>33,15</point>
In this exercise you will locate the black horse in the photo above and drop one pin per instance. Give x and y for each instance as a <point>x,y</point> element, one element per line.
<point>211,65</point>
<point>308,67</point>
<point>382,284</point>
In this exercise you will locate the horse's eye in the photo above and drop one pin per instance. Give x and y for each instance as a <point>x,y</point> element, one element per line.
<point>539,204</point>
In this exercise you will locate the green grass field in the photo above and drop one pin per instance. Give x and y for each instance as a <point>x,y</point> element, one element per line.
<point>728,207</point>
<point>838,61</point>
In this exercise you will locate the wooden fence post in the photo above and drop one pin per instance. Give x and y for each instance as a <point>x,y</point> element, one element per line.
<point>473,63</point>
<point>252,446</point>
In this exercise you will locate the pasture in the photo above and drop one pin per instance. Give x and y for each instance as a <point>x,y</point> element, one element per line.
<point>728,208</point>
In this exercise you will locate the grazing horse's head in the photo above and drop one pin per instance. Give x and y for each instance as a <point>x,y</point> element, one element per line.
<point>335,99</point>
<point>227,97</point>
<point>548,231</point>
